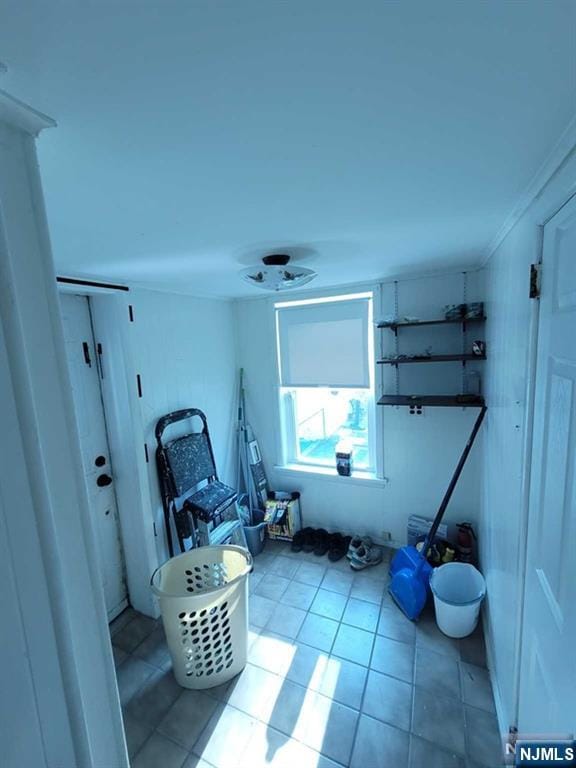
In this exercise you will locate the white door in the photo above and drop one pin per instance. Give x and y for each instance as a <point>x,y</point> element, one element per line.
<point>84,365</point>
<point>548,668</point>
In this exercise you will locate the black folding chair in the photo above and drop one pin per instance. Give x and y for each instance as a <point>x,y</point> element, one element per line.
<point>202,507</point>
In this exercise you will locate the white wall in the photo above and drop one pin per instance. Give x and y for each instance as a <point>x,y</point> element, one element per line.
<point>184,350</point>
<point>58,698</point>
<point>419,454</point>
<point>510,328</point>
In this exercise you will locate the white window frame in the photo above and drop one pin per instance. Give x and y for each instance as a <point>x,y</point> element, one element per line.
<point>286,405</point>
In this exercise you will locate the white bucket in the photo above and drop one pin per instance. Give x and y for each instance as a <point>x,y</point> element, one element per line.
<point>458,590</point>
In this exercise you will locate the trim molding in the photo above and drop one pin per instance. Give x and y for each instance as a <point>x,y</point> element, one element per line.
<point>561,150</point>
<point>19,115</point>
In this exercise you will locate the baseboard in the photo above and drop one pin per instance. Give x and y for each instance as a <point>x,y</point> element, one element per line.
<point>504,721</point>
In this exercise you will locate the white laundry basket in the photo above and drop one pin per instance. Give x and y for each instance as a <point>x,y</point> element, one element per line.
<point>458,590</point>
<point>203,598</point>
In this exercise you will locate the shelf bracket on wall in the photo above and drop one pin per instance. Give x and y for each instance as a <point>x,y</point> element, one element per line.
<point>396,342</point>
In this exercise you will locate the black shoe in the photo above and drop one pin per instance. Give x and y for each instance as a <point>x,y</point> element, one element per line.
<point>308,541</point>
<point>298,540</point>
<point>338,546</point>
<point>321,538</point>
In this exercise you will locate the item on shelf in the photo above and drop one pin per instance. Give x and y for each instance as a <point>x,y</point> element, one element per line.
<point>455,311</point>
<point>344,458</point>
<point>479,348</point>
<point>475,310</point>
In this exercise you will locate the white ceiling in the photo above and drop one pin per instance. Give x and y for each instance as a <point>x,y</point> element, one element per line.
<point>372,138</point>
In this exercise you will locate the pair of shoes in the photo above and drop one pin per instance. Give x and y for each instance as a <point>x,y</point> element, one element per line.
<point>362,553</point>
<point>338,546</point>
<point>320,542</point>
<point>356,543</point>
<point>310,540</point>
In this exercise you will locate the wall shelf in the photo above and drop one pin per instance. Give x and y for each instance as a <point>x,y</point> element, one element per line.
<point>416,323</point>
<point>430,359</point>
<point>445,401</point>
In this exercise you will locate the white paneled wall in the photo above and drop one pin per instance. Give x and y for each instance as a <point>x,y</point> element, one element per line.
<point>184,350</point>
<point>418,453</point>
<point>511,322</point>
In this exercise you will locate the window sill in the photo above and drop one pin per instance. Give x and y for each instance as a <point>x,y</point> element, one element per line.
<point>330,475</point>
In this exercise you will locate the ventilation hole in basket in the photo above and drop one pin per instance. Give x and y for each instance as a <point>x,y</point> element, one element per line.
<point>184,632</point>
<point>190,581</point>
<point>213,610</point>
<point>203,613</point>
<point>197,568</point>
<point>208,655</point>
<point>217,644</point>
<point>224,615</point>
<point>209,672</point>
<point>188,573</point>
<point>229,663</point>
<point>203,622</point>
<point>228,648</point>
<point>183,624</point>
<point>195,640</point>
<point>191,615</point>
<point>213,620</point>
<point>199,674</point>
<point>226,622</point>
<point>219,669</point>
<point>206,567</point>
<point>181,615</point>
<point>189,589</point>
<point>189,674</point>
<point>205,631</point>
<point>216,634</point>
<point>194,632</point>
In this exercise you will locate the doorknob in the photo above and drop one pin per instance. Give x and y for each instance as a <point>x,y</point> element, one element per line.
<point>103,480</point>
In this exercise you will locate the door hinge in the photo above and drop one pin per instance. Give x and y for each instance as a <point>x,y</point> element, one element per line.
<point>146,452</point>
<point>86,350</point>
<point>99,359</point>
<point>139,384</point>
<point>154,526</point>
<point>535,274</point>
<point>131,313</point>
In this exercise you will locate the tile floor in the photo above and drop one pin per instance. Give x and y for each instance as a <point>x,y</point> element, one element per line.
<point>336,676</point>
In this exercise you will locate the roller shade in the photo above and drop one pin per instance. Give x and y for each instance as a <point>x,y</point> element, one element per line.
<point>324,345</point>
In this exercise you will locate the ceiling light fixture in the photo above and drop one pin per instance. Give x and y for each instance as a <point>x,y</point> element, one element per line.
<point>276,275</point>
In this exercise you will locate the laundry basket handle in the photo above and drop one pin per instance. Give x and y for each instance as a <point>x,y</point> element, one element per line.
<point>156,578</point>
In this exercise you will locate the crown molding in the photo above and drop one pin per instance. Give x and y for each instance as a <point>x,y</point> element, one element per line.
<point>563,147</point>
<point>22,117</point>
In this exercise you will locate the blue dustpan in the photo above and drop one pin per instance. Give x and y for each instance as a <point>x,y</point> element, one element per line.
<point>410,571</point>
<point>410,582</point>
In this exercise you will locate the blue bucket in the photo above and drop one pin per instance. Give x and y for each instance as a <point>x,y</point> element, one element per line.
<point>255,537</point>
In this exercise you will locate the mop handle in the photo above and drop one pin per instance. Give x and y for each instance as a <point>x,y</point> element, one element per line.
<point>450,490</point>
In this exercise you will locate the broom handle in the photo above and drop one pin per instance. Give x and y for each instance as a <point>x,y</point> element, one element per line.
<point>455,477</point>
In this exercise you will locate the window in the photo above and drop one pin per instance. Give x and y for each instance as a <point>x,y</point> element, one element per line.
<point>326,380</point>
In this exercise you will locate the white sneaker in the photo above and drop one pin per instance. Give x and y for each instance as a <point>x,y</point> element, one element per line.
<point>357,543</point>
<point>365,556</point>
